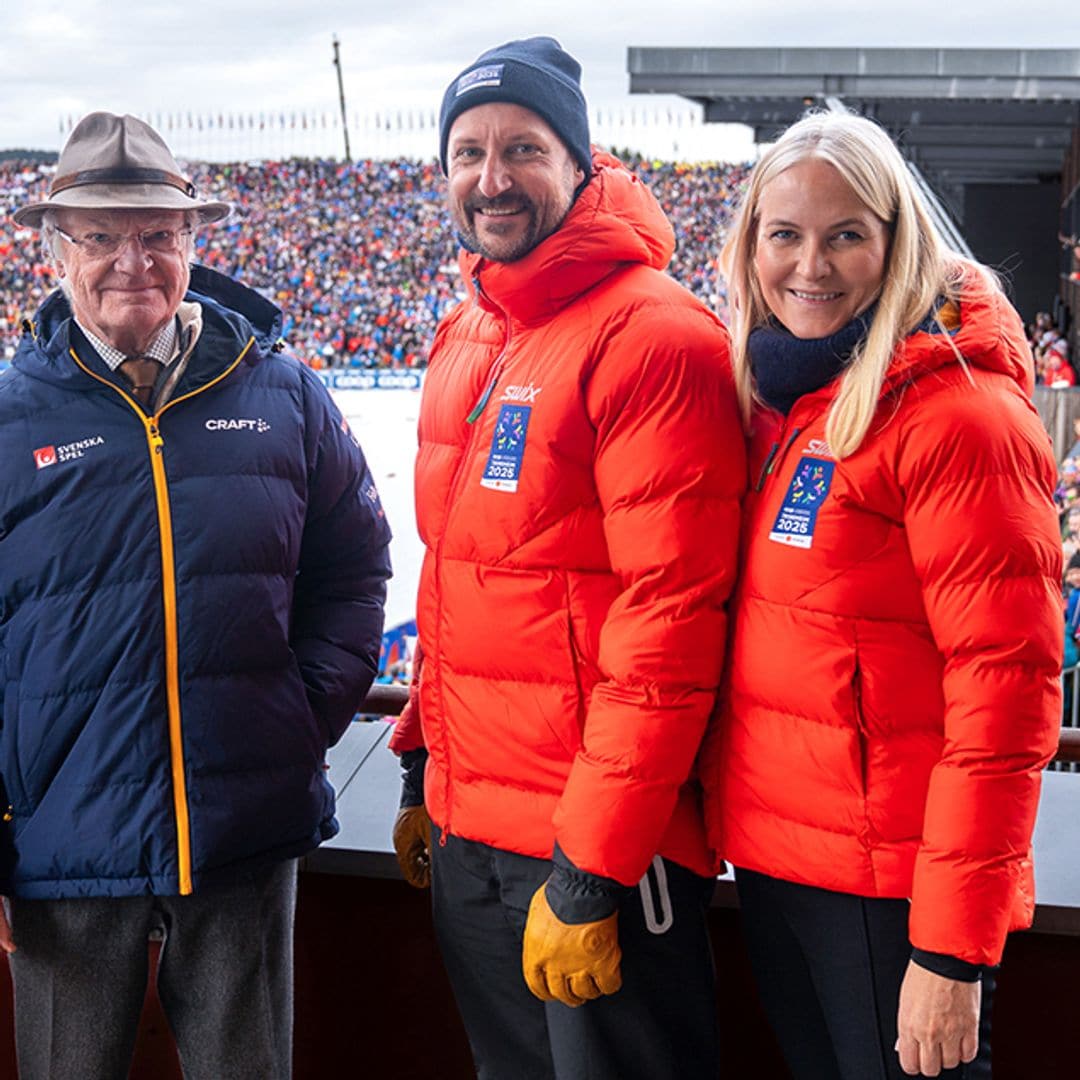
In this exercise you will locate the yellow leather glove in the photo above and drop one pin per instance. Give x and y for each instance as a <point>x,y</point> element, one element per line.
<point>412,845</point>
<point>569,962</point>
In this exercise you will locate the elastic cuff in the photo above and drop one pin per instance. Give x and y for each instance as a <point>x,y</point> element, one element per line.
<point>413,764</point>
<point>576,896</point>
<point>949,967</point>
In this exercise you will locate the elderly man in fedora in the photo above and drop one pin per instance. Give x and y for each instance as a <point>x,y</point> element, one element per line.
<point>193,562</point>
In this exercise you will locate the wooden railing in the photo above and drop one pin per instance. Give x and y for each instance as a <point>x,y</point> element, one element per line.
<point>1069,745</point>
<point>383,700</point>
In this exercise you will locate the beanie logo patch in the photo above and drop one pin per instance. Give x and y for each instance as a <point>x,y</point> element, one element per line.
<point>489,75</point>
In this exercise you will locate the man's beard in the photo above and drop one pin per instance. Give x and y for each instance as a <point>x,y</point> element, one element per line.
<point>499,249</point>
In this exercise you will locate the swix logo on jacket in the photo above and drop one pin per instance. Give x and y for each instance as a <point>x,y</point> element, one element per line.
<point>521,393</point>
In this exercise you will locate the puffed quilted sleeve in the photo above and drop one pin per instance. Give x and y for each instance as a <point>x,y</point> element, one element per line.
<point>976,473</point>
<point>408,734</point>
<point>670,471</point>
<point>337,616</point>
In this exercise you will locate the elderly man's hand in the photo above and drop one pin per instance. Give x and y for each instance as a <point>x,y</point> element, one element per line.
<point>412,845</point>
<point>569,962</point>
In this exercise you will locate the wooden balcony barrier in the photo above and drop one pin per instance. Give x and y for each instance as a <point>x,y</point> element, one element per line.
<point>1069,745</point>
<point>383,700</point>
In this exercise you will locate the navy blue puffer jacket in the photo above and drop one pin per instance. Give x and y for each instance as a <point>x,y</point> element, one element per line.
<point>190,608</point>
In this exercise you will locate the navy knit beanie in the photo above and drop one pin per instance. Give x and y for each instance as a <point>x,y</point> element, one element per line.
<point>535,73</point>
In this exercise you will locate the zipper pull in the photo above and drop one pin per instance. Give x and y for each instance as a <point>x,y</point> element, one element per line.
<point>767,467</point>
<point>156,441</point>
<point>787,445</point>
<point>773,459</point>
<point>478,408</point>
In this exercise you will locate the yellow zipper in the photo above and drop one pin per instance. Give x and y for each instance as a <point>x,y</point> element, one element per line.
<point>156,446</point>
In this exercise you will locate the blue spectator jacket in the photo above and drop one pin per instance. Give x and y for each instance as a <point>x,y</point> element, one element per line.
<point>190,608</point>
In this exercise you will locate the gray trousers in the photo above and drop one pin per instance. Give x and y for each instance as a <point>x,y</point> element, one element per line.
<point>224,977</point>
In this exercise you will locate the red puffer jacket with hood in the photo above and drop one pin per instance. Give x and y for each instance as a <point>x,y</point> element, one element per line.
<point>578,484</point>
<point>896,651</point>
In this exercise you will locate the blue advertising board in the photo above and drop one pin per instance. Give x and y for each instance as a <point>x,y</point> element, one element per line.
<point>371,380</point>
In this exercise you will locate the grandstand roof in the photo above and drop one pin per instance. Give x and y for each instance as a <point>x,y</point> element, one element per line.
<point>961,115</point>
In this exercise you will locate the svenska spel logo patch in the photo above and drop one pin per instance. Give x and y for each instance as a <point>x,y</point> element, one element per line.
<point>44,456</point>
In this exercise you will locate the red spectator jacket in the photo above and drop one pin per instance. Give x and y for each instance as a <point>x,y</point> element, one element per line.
<point>896,650</point>
<point>577,485</point>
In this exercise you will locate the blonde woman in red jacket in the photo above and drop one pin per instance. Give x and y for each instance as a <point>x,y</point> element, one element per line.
<point>896,646</point>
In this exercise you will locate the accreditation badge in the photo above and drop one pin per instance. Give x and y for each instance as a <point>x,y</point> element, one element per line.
<point>794,524</point>
<point>507,448</point>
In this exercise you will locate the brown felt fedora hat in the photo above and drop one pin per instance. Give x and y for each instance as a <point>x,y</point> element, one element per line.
<point>118,163</point>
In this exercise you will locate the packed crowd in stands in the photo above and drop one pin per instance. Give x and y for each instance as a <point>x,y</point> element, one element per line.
<point>1050,349</point>
<point>360,257</point>
<point>1053,368</point>
<point>1067,497</point>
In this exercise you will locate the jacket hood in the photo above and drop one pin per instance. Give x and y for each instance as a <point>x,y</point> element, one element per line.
<point>231,311</point>
<point>990,337</point>
<point>616,220</point>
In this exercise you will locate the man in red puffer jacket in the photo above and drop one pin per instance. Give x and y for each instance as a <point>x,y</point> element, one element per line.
<point>578,485</point>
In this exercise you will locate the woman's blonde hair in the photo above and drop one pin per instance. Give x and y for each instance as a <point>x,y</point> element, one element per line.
<point>918,267</point>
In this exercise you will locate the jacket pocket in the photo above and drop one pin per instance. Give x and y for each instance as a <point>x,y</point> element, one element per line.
<point>306,720</point>
<point>570,729</point>
<point>861,733</point>
<point>10,769</point>
<point>867,831</point>
<point>587,603</point>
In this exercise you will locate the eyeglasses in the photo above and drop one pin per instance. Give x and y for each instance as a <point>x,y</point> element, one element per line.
<point>99,245</point>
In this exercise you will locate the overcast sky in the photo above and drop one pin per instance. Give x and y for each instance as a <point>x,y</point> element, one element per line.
<point>61,58</point>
